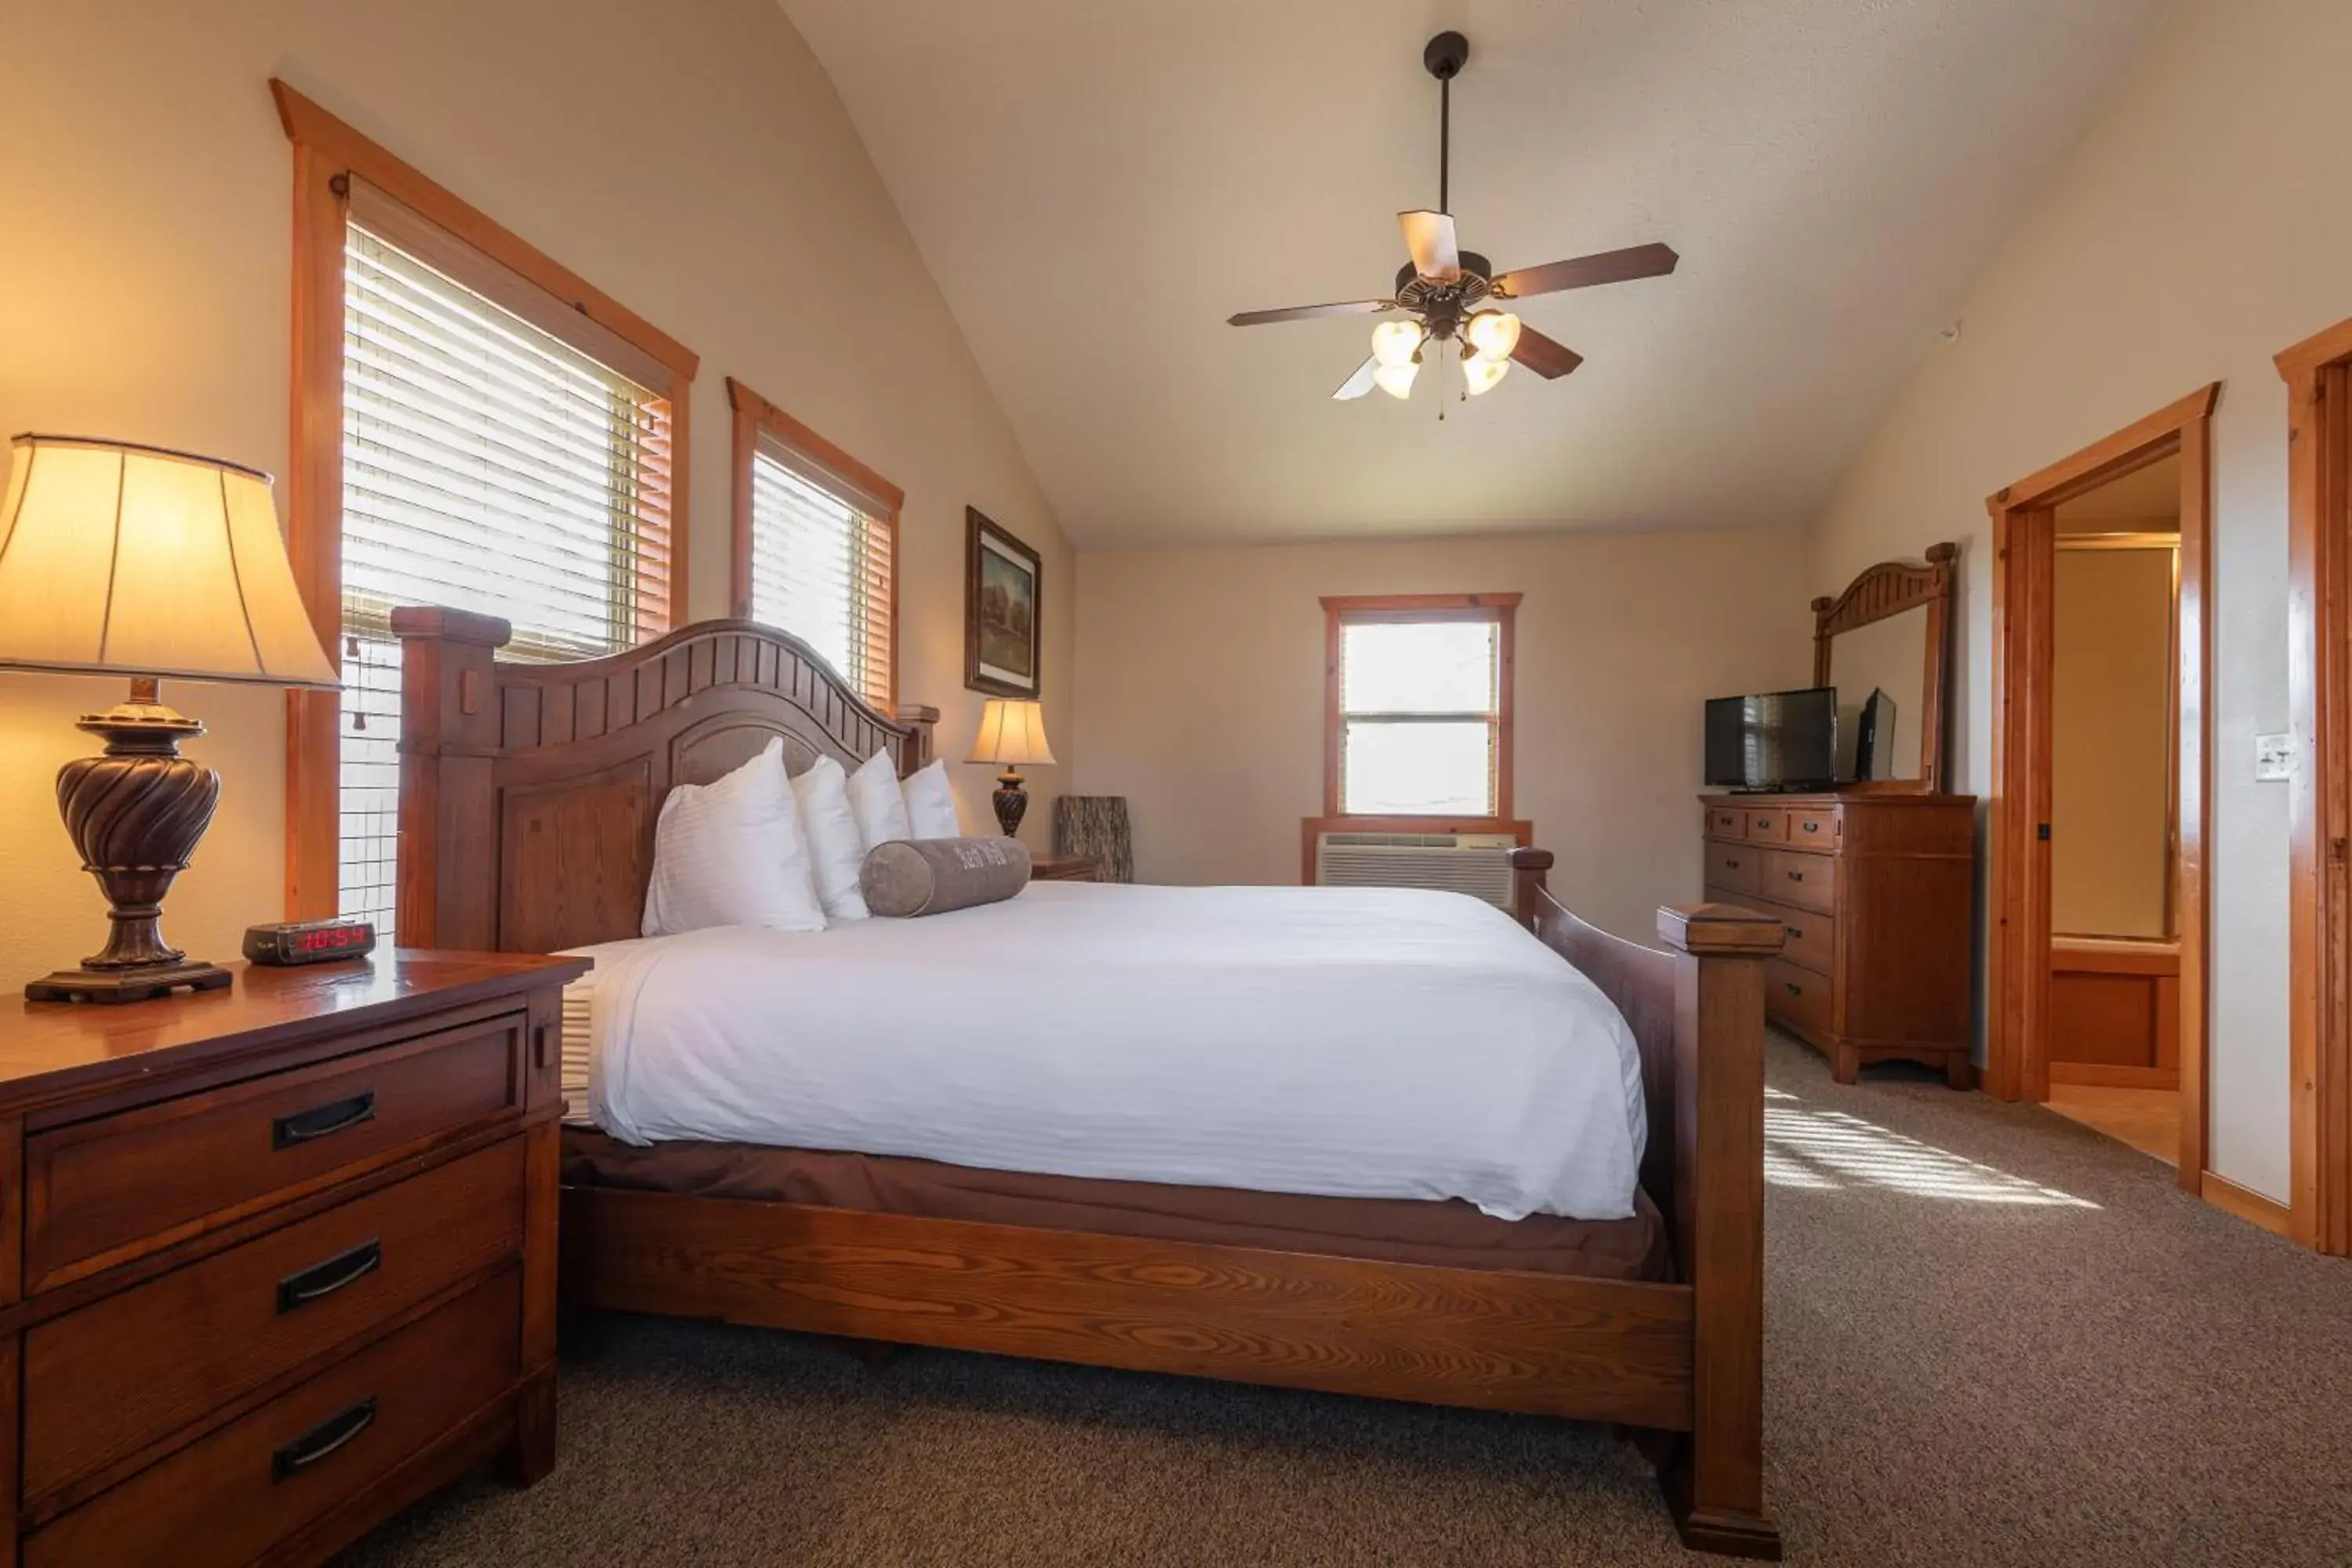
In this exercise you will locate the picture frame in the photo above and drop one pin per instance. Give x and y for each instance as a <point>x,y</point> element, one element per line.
<point>1002,613</point>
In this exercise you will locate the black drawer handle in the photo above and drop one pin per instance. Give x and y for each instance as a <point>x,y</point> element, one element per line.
<point>323,1440</point>
<point>1730,865</point>
<point>1794,934</point>
<point>321,1280</point>
<point>320,1120</point>
<point>1794,989</point>
<point>1796,875</point>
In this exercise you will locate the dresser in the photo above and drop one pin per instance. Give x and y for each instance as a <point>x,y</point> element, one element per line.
<point>277,1259</point>
<point>1875,893</point>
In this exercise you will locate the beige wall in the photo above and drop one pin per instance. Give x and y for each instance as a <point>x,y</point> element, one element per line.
<point>1200,693</point>
<point>2197,230</point>
<point>2111,741</point>
<point>689,158</point>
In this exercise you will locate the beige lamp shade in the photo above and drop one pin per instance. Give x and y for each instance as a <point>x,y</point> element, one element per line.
<point>129,559</point>
<point>1011,731</point>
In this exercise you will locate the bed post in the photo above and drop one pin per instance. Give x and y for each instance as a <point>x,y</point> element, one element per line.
<point>1714,1477</point>
<point>1528,869</point>
<point>447,891</point>
<point>916,750</point>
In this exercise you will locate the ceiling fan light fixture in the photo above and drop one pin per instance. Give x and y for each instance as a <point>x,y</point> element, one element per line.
<point>1396,380</point>
<point>1493,334</point>
<point>1396,343</point>
<point>1479,373</point>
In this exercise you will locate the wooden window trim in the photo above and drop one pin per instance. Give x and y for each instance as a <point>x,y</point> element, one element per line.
<point>2318,375</point>
<point>755,416</point>
<point>326,153</point>
<point>1500,608</point>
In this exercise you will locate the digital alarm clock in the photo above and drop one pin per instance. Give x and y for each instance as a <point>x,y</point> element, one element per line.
<point>309,942</point>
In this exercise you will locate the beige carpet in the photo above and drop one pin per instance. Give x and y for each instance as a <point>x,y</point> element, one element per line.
<point>1995,1338</point>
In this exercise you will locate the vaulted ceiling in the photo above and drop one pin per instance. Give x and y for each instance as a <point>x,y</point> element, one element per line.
<point>1097,183</point>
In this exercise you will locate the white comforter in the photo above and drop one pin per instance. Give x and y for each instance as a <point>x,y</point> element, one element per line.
<point>1357,1043</point>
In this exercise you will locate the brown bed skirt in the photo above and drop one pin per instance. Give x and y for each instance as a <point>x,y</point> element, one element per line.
<point>1451,1234</point>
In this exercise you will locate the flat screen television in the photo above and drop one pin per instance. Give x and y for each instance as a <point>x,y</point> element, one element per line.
<point>1773,740</point>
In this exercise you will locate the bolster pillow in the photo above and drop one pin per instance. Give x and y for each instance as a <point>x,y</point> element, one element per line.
<point>931,875</point>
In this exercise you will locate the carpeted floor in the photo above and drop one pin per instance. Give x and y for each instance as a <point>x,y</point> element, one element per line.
<point>1994,1337</point>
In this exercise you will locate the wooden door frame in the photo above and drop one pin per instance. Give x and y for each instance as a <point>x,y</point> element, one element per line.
<point>2024,520</point>
<point>2318,373</point>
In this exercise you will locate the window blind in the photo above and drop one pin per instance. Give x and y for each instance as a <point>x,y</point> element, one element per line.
<point>821,565</point>
<point>490,466</point>
<point>1420,706</point>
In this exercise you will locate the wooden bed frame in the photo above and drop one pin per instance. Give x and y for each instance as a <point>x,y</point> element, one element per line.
<point>527,807</point>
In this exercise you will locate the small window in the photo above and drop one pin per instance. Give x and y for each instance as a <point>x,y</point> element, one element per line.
<point>815,548</point>
<point>1420,706</point>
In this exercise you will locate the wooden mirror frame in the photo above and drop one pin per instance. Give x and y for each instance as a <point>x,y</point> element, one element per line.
<point>1880,593</point>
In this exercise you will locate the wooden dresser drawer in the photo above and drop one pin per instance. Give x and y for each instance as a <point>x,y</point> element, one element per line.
<point>1726,822</point>
<point>100,1190</point>
<point>1735,867</point>
<point>1809,881</point>
<point>227,1497</point>
<point>1767,824</point>
<point>1810,937</point>
<point>103,1381</point>
<point>1797,995</point>
<point>1814,827</point>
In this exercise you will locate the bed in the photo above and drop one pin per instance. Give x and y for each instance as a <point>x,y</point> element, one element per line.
<point>1478,1262</point>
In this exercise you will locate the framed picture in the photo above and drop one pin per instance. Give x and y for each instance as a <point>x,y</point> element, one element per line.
<point>1002,603</point>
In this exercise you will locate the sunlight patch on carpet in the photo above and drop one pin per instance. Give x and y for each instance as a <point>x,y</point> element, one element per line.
<point>1824,1150</point>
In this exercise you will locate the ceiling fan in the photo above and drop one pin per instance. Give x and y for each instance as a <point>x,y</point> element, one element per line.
<point>1448,290</point>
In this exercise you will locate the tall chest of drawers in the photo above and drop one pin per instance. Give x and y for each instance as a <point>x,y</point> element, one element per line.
<point>1875,893</point>
<point>275,1260</point>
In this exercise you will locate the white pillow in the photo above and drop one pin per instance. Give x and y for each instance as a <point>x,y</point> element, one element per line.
<point>874,797</point>
<point>730,854</point>
<point>931,804</point>
<point>835,849</point>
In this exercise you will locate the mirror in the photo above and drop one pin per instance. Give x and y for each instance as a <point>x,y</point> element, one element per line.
<point>1888,658</point>
<point>1884,645</point>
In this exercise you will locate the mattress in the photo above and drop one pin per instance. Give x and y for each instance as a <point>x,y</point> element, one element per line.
<point>1347,1043</point>
<point>1450,1234</point>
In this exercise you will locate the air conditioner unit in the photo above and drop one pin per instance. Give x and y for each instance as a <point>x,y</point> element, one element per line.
<point>1478,864</point>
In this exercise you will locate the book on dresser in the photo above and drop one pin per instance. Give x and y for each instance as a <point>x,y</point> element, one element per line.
<point>280,1259</point>
<point>1875,893</point>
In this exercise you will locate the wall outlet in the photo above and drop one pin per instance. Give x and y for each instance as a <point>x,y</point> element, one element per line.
<point>2273,758</point>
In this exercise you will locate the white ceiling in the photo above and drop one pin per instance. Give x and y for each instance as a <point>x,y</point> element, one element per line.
<point>1097,183</point>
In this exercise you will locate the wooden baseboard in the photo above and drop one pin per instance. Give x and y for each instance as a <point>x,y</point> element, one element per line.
<point>2108,1075</point>
<point>2245,1202</point>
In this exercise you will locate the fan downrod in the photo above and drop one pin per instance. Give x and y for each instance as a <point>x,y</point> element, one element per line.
<point>1446,55</point>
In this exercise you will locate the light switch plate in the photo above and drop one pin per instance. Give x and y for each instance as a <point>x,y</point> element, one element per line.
<point>2273,758</point>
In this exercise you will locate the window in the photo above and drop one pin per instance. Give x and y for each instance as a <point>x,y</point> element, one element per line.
<point>1420,706</point>
<point>476,427</point>
<point>815,544</point>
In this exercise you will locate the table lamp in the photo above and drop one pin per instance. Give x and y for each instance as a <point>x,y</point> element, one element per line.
<point>1012,733</point>
<point>118,559</point>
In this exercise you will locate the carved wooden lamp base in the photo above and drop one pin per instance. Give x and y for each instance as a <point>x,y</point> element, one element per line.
<point>136,814</point>
<point>1011,801</point>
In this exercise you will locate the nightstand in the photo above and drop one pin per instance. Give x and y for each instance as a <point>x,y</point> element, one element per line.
<point>284,1256</point>
<point>1065,868</point>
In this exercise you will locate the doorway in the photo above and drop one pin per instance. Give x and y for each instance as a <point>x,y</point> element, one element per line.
<point>2115,953</point>
<point>2098,960</point>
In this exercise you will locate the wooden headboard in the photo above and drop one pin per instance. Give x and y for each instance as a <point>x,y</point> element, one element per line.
<point>528,792</point>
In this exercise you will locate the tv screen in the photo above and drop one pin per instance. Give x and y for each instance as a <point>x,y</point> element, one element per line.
<point>1774,740</point>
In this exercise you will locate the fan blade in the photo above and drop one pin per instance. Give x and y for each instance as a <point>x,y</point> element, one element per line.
<point>1308,312</point>
<point>1358,384</point>
<point>1430,236</point>
<point>1546,358</point>
<point>1608,266</point>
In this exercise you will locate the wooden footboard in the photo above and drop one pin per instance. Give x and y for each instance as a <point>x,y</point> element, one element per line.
<point>1698,1010</point>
